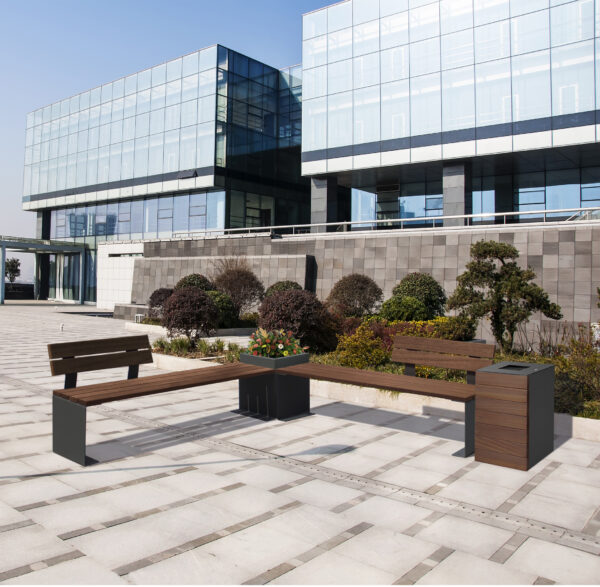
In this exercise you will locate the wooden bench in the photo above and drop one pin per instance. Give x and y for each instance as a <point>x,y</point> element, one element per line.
<point>412,350</point>
<point>69,404</point>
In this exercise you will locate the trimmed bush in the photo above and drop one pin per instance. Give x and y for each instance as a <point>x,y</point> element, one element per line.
<point>426,289</point>
<point>362,350</point>
<point>225,307</point>
<point>282,286</point>
<point>303,314</point>
<point>157,301</point>
<point>354,295</point>
<point>242,286</point>
<point>405,308</point>
<point>457,328</point>
<point>195,280</point>
<point>248,320</point>
<point>190,312</point>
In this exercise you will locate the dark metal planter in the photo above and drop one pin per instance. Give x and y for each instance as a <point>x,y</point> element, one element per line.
<point>274,396</point>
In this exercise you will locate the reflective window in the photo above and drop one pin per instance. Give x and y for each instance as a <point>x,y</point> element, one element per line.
<point>572,22</point>
<point>366,70</point>
<point>339,77</point>
<point>314,129</point>
<point>394,64</point>
<point>493,92</point>
<point>425,101</point>
<point>364,10</point>
<point>455,15</point>
<point>339,45</point>
<point>339,119</point>
<point>530,32</point>
<point>573,78</point>
<point>366,38</point>
<point>492,41</point>
<point>531,86</point>
<point>314,24</point>
<point>395,110</point>
<point>486,11</point>
<point>424,22</point>
<point>314,82</point>
<point>387,7</point>
<point>339,16</point>
<point>394,30</point>
<point>366,115</point>
<point>458,105</point>
<point>425,57</point>
<point>314,52</point>
<point>521,7</point>
<point>457,49</point>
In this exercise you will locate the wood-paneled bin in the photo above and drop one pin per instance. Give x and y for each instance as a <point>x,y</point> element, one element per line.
<point>514,414</point>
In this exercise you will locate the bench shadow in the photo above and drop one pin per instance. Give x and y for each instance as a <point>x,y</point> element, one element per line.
<point>450,422</point>
<point>169,435</point>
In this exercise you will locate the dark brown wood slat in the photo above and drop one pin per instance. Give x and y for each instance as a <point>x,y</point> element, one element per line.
<point>439,360</point>
<point>500,432</point>
<point>418,385</point>
<point>80,348</point>
<point>505,420</point>
<point>500,380</point>
<point>502,446</point>
<point>91,395</point>
<point>469,349</point>
<point>501,406</point>
<point>97,362</point>
<point>501,393</point>
<point>502,459</point>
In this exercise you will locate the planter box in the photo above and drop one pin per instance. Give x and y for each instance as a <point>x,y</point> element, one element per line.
<point>274,396</point>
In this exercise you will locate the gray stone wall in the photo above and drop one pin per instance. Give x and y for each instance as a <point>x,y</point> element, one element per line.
<point>565,257</point>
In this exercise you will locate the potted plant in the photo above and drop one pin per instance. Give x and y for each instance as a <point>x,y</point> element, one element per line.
<point>274,395</point>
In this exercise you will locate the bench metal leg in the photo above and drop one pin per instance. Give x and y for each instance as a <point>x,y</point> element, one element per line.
<point>68,429</point>
<point>469,428</point>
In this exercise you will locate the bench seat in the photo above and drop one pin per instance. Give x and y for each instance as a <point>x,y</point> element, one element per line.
<point>99,393</point>
<point>432,387</point>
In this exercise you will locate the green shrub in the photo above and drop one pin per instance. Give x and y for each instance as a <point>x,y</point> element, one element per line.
<point>248,320</point>
<point>354,295</point>
<point>361,350</point>
<point>405,308</point>
<point>225,307</point>
<point>426,289</point>
<point>303,314</point>
<point>180,346</point>
<point>161,344</point>
<point>190,312</point>
<point>195,280</point>
<point>457,328</point>
<point>232,353</point>
<point>282,286</point>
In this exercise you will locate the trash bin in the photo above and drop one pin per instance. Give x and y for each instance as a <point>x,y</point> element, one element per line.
<point>514,414</point>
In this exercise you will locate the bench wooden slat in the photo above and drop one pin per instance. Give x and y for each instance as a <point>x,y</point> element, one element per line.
<point>438,345</point>
<point>439,360</point>
<point>418,385</point>
<point>95,362</point>
<point>91,395</point>
<point>80,348</point>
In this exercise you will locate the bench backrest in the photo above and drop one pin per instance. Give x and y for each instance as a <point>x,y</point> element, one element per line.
<point>448,354</point>
<point>70,358</point>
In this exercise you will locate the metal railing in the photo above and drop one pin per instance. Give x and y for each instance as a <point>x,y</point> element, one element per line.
<point>460,221</point>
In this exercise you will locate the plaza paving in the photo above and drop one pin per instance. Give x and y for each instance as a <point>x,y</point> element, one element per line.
<point>189,492</point>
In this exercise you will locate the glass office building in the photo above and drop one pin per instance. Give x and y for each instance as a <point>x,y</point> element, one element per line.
<point>396,92</point>
<point>207,141</point>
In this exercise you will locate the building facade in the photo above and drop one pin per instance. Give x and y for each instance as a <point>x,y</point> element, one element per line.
<point>401,109</point>
<point>205,142</point>
<point>431,107</point>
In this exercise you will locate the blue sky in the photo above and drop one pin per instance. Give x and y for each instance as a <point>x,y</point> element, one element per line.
<point>51,49</point>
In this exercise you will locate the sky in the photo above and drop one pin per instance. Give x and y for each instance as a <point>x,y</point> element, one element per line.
<point>52,49</point>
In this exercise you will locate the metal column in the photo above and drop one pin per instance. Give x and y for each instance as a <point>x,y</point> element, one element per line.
<point>3,268</point>
<point>81,276</point>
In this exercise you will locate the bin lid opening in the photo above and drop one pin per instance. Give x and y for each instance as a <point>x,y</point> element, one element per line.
<point>514,367</point>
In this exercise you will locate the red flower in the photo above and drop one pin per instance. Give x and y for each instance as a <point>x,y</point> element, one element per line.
<point>255,353</point>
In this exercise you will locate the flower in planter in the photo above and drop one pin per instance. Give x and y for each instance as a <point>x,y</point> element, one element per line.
<point>274,343</point>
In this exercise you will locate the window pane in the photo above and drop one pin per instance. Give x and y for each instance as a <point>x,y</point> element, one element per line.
<point>573,78</point>
<point>395,110</point>
<point>366,70</point>
<point>487,11</point>
<point>157,121</point>
<point>424,22</point>
<point>339,77</point>
<point>492,41</point>
<point>530,32</point>
<point>339,45</point>
<point>457,49</point>
<point>425,101</point>
<point>531,86</point>
<point>394,64</point>
<point>394,30</point>
<point>366,38</point>
<point>572,22</point>
<point>314,24</point>
<point>181,209</point>
<point>314,82</point>
<point>456,15</point>
<point>314,129</point>
<point>314,52</point>
<point>205,145</point>
<point>493,91</point>
<point>171,151</point>
<point>458,102</point>
<point>339,16</point>
<point>366,115</point>
<point>187,152</point>
<point>425,57</point>
<point>365,10</point>
<point>339,120</point>
<point>520,7</point>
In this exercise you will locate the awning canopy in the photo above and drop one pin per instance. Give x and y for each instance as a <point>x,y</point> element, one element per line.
<point>33,245</point>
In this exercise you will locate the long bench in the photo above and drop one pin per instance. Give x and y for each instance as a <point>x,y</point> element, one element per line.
<point>411,350</point>
<point>69,405</point>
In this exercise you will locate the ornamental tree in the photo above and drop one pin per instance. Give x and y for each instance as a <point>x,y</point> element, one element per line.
<point>12,269</point>
<point>493,285</point>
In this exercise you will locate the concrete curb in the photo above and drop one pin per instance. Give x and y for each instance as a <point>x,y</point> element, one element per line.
<point>160,331</point>
<point>172,363</point>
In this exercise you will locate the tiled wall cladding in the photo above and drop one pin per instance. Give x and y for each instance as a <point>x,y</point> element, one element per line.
<point>566,260</point>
